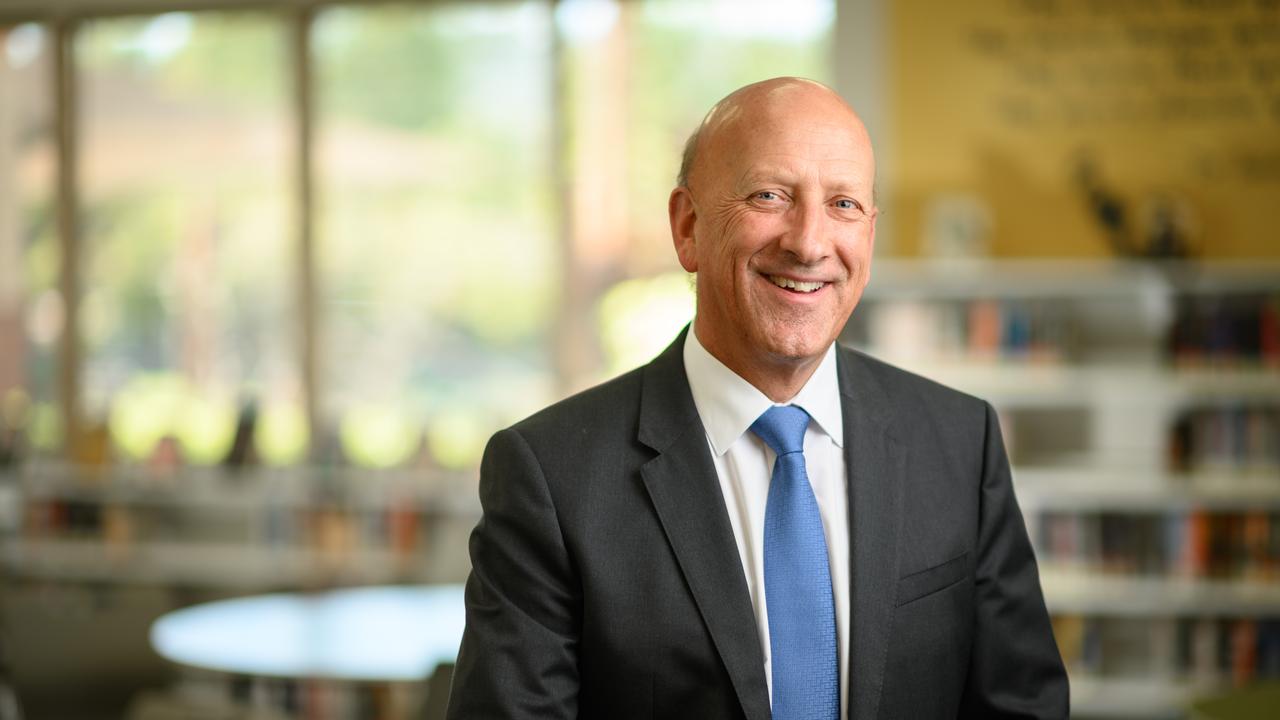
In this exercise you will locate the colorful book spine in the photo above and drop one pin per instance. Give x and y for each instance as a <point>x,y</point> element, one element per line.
<point>1195,543</point>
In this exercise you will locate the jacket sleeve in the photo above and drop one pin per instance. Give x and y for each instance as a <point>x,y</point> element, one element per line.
<point>519,654</point>
<point>1015,670</point>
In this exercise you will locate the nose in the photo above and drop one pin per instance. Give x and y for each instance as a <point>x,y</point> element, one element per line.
<point>805,234</point>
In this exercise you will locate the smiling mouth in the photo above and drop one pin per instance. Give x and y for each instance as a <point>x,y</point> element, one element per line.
<point>798,286</point>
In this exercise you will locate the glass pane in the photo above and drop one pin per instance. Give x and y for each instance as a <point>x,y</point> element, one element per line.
<point>188,318</point>
<point>30,305</point>
<point>686,56</point>
<point>438,259</point>
<point>640,77</point>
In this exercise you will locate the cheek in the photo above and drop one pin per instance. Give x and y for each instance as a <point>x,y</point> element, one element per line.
<point>855,255</point>
<point>732,220</point>
<point>734,226</point>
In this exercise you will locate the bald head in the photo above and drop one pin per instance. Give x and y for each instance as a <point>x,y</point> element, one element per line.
<point>756,107</point>
<point>776,218</point>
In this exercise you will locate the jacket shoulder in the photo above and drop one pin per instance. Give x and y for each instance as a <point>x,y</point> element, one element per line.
<point>906,387</point>
<point>610,406</point>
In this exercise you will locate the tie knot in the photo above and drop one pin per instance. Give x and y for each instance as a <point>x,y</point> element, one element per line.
<point>782,427</point>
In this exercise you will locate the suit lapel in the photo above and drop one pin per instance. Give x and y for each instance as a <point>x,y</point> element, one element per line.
<point>875,469</point>
<point>682,484</point>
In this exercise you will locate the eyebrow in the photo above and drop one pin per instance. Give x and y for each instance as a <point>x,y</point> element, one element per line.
<point>783,176</point>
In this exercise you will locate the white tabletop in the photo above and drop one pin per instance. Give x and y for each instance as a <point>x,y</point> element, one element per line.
<point>394,633</point>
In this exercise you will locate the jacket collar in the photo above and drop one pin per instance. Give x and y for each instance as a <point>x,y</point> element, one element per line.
<point>686,495</point>
<point>876,466</point>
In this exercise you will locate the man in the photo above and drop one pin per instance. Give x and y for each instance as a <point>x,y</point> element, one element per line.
<point>758,524</point>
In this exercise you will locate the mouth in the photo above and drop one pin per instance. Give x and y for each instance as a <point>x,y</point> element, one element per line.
<point>801,287</point>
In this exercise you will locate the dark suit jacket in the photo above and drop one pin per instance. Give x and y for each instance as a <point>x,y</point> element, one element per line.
<point>606,582</point>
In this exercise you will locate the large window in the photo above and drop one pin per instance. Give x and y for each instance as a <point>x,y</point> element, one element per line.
<point>31,308</point>
<point>406,224</point>
<point>187,318</point>
<point>437,254</point>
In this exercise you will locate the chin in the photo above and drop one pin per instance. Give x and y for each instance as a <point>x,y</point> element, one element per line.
<point>797,347</point>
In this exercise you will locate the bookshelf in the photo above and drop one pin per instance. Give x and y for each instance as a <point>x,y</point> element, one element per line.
<point>1140,403</point>
<point>236,531</point>
<point>1133,698</point>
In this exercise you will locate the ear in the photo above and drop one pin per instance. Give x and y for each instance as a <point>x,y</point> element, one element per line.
<point>683,217</point>
<point>871,239</point>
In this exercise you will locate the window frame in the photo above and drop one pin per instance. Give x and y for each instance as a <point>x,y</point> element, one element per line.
<point>62,19</point>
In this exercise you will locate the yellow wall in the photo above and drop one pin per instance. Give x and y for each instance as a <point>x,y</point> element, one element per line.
<point>998,100</point>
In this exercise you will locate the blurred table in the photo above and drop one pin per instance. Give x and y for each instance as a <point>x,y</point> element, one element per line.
<point>367,634</point>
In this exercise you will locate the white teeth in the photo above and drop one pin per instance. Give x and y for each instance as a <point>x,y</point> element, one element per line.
<point>790,284</point>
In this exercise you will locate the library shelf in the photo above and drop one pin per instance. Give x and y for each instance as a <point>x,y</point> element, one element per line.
<point>1149,698</point>
<point>1140,405</point>
<point>243,530</point>
<point>1012,382</point>
<point>1250,383</point>
<point>1083,592</point>
<point>228,565</point>
<point>1141,490</point>
<point>213,488</point>
<point>1085,278</point>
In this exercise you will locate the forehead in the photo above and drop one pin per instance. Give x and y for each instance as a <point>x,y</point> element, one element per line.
<point>795,150</point>
<point>787,133</point>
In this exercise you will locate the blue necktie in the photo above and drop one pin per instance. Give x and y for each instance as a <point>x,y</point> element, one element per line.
<point>797,579</point>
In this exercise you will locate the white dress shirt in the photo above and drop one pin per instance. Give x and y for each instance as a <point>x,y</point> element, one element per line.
<point>728,405</point>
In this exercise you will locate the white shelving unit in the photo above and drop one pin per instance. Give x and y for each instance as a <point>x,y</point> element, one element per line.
<point>1091,593</point>
<point>244,490</point>
<point>1150,281</point>
<point>243,567</point>
<point>246,531</point>
<point>1101,394</point>
<point>1084,489</point>
<point>1134,698</point>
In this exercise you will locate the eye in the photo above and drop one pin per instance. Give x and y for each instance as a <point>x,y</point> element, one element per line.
<point>847,204</point>
<point>768,196</point>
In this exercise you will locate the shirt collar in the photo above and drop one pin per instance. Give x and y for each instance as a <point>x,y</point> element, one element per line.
<point>729,404</point>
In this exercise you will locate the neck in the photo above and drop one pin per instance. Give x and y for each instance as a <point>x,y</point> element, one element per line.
<point>779,378</point>
<point>781,384</point>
